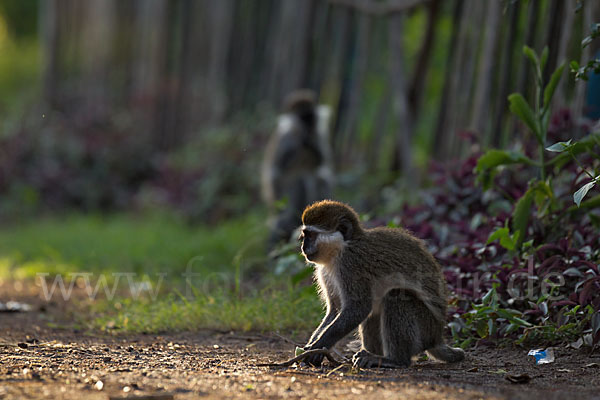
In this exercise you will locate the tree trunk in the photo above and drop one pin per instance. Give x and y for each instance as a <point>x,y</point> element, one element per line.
<point>402,161</point>
<point>291,35</point>
<point>96,49</point>
<point>419,75</point>
<point>49,32</point>
<point>442,133</point>
<point>221,13</point>
<point>581,86</point>
<point>560,96</point>
<point>552,36</point>
<point>359,62</point>
<point>506,72</point>
<point>488,58</point>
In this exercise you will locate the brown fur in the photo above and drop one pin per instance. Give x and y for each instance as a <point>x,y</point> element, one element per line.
<point>383,280</point>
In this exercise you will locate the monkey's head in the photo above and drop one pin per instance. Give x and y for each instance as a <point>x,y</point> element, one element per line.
<point>302,103</point>
<point>327,226</point>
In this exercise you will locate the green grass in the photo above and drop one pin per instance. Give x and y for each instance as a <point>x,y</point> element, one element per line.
<point>234,289</point>
<point>126,243</point>
<point>271,309</point>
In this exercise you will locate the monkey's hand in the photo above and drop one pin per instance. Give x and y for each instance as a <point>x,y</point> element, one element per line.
<point>314,359</point>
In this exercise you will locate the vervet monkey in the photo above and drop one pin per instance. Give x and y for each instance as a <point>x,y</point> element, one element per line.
<point>382,281</point>
<point>297,165</point>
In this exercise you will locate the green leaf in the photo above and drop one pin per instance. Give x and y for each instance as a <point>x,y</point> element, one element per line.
<point>596,322</point>
<point>544,58</point>
<point>506,240</point>
<point>521,214</point>
<point>497,234</point>
<point>520,321</point>
<point>506,313</point>
<point>551,86</point>
<point>490,327</point>
<point>543,198</point>
<point>512,318</point>
<point>574,66</point>
<point>482,329</point>
<point>580,194</point>
<point>530,53</point>
<point>559,147</point>
<point>489,296</point>
<point>495,158</point>
<point>582,145</point>
<point>521,109</point>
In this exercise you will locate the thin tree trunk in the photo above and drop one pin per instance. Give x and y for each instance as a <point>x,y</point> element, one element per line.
<point>332,88</point>
<point>506,72</point>
<point>221,13</point>
<point>359,72</point>
<point>290,48</point>
<point>552,35</point>
<point>560,96</point>
<point>179,110</point>
<point>525,71</point>
<point>402,161</point>
<point>462,78</point>
<point>442,132</point>
<point>581,86</point>
<point>481,110</point>
<point>379,129</point>
<point>96,50</point>
<point>417,87</point>
<point>50,41</point>
<point>320,41</point>
<point>150,65</point>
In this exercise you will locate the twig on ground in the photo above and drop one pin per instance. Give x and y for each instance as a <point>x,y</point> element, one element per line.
<point>301,357</point>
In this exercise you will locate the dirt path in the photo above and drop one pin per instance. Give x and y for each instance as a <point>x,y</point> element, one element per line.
<point>40,362</point>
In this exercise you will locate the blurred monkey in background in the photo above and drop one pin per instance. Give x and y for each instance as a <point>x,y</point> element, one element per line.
<point>297,166</point>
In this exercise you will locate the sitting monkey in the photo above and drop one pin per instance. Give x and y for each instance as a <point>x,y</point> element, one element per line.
<point>296,169</point>
<point>382,281</point>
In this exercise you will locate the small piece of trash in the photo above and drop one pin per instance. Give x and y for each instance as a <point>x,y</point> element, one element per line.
<point>14,306</point>
<point>99,385</point>
<point>577,344</point>
<point>542,356</point>
<point>593,365</point>
<point>523,378</point>
<point>474,369</point>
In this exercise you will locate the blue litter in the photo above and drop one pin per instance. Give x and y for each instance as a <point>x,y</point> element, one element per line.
<point>542,356</point>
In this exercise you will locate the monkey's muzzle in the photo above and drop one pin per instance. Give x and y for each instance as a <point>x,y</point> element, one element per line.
<point>310,252</point>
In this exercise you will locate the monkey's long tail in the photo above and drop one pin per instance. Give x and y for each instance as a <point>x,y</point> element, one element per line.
<point>446,353</point>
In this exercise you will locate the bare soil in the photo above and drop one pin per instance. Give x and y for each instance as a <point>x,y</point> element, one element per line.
<point>37,361</point>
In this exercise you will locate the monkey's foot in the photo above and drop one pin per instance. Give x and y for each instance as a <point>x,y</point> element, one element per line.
<point>364,359</point>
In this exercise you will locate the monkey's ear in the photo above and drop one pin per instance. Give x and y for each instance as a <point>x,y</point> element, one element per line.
<point>345,228</point>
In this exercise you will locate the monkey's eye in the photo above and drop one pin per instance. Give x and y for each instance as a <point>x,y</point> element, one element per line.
<point>308,234</point>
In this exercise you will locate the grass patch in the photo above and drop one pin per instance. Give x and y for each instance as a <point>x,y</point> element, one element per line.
<point>232,288</point>
<point>128,243</point>
<point>287,309</point>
